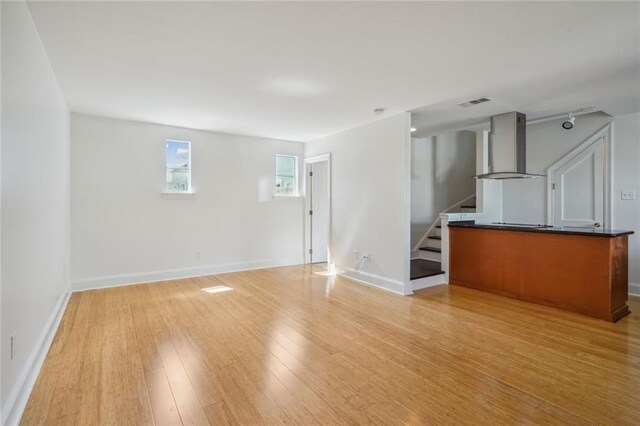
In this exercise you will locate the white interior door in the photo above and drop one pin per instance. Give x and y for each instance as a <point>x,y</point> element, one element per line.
<point>579,188</point>
<point>319,206</point>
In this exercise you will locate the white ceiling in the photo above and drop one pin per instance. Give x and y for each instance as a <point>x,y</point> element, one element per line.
<point>300,71</point>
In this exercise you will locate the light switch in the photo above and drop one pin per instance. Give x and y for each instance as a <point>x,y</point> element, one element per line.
<point>627,194</point>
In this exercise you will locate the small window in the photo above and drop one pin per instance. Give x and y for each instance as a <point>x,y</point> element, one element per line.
<point>286,175</point>
<point>178,161</point>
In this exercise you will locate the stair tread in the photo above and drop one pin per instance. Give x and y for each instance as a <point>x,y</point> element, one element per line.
<point>435,249</point>
<point>467,207</point>
<point>422,268</point>
<point>438,226</point>
<point>434,237</point>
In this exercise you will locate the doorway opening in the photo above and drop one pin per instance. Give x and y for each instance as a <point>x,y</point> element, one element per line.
<point>318,209</point>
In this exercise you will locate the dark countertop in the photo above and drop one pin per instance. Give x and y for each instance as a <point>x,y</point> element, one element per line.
<point>589,232</point>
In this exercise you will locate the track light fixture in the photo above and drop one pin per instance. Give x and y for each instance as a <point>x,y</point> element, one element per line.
<point>568,124</point>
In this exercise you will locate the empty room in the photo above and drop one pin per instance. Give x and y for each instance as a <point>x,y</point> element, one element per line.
<point>255,212</point>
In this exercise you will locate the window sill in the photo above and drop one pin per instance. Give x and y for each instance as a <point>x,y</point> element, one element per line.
<point>178,195</point>
<point>286,197</point>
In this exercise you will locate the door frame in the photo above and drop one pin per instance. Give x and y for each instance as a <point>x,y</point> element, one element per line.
<point>307,205</point>
<point>607,134</point>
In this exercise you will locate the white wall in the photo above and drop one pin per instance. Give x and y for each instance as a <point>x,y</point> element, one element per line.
<point>441,175</point>
<point>123,230</point>
<point>626,175</point>
<point>1,337</point>
<point>35,197</point>
<point>488,191</point>
<point>370,198</point>
<point>525,200</point>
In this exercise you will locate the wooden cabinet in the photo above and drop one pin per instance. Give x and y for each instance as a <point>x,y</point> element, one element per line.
<point>585,274</point>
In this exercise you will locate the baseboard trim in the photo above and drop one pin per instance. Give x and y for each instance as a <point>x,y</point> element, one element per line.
<point>634,289</point>
<point>19,396</point>
<point>176,274</point>
<point>422,283</point>
<point>372,280</point>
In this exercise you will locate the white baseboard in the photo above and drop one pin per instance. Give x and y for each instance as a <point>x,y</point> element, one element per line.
<point>175,274</point>
<point>19,396</point>
<point>634,289</point>
<point>372,280</point>
<point>426,282</point>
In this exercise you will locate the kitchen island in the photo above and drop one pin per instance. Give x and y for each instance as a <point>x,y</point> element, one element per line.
<point>583,270</point>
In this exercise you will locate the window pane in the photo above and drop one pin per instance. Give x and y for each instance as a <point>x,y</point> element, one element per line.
<point>285,166</point>
<point>286,175</point>
<point>178,165</point>
<point>177,180</point>
<point>285,185</point>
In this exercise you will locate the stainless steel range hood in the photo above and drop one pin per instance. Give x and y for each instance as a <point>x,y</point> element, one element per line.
<point>508,148</point>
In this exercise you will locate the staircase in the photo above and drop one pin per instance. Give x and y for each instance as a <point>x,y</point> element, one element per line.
<point>429,249</point>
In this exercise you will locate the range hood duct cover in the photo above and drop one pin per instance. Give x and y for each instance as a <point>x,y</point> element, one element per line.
<point>508,147</point>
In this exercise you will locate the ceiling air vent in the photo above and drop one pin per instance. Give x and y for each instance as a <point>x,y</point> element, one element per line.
<point>475,102</point>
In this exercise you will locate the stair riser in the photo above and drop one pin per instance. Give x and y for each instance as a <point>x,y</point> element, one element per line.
<point>430,255</point>
<point>434,243</point>
<point>466,210</point>
<point>427,282</point>
<point>437,232</point>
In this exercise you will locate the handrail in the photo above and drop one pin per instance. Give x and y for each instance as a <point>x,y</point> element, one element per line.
<point>435,222</point>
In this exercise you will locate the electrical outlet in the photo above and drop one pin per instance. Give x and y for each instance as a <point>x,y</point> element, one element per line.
<point>198,255</point>
<point>13,344</point>
<point>356,254</point>
<point>627,194</point>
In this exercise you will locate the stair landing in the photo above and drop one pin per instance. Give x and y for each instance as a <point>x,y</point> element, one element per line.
<point>421,268</point>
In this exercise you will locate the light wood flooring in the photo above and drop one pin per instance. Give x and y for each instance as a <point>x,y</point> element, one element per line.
<point>290,345</point>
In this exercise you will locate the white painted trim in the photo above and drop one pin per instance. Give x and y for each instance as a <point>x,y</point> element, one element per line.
<point>307,224</point>
<point>607,133</point>
<point>318,158</point>
<point>19,396</point>
<point>634,289</point>
<point>426,282</point>
<point>406,255</point>
<point>279,197</point>
<point>174,274</point>
<point>444,246</point>
<point>427,255</point>
<point>372,280</point>
<point>177,195</point>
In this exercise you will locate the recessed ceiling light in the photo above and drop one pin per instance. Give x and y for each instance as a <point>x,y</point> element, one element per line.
<point>378,110</point>
<point>413,129</point>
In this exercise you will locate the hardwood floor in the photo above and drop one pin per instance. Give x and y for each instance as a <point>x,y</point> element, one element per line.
<point>289,345</point>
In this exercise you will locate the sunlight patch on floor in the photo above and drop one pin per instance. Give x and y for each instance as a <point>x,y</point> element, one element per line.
<point>217,289</point>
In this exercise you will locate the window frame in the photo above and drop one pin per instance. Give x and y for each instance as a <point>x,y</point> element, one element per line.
<point>296,178</point>
<point>166,169</point>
